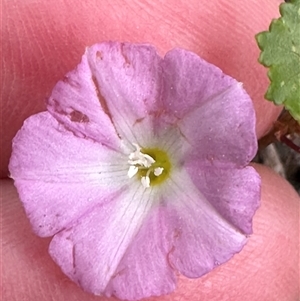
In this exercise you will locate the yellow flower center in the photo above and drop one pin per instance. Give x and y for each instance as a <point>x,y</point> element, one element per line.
<point>151,165</point>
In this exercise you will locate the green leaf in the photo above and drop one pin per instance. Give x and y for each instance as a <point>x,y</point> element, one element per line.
<point>280,51</point>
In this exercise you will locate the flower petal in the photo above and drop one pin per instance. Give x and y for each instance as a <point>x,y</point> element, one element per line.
<point>190,81</point>
<point>221,132</point>
<point>144,270</point>
<point>128,80</point>
<point>202,238</point>
<point>90,252</point>
<point>215,114</point>
<point>76,103</point>
<point>60,176</point>
<point>235,193</point>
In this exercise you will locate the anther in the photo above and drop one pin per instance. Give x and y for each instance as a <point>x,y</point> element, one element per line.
<point>132,171</point>
<point>145,182</point>
<point>158,171</point>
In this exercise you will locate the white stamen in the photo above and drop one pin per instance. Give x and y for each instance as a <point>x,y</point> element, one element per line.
<point>158,171</point>
<point>139,158</point>
<point>149,159</point>
<point>145,182</point>
<point>132,171</point>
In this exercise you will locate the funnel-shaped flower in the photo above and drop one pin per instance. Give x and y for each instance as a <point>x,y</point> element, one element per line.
<point>138,169</point>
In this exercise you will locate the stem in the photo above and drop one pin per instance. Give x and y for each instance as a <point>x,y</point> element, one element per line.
<point>284,126</point>
<point>290,143</point>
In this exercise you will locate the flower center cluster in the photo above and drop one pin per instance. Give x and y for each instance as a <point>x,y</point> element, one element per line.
<point>152,166</point>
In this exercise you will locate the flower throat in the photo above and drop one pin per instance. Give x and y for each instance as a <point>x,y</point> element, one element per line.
<point>151,165</point>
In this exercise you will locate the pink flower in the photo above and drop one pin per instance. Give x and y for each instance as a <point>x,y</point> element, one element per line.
<point>138,169</point>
